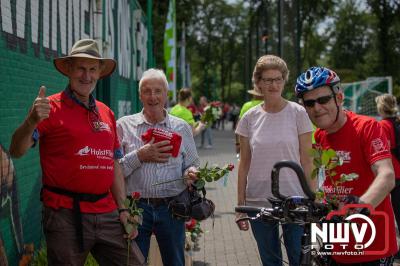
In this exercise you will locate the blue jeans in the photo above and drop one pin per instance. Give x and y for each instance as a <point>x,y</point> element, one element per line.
<point>206,133</point>
<point>169,232</point>
<point>269,244</point>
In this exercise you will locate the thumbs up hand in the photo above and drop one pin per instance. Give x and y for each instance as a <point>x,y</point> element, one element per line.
<point>40,109</point>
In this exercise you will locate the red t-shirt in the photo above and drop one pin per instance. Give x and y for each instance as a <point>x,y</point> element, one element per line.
<point>360,143</point>
<point>74,156</point>
<point>388,129</point>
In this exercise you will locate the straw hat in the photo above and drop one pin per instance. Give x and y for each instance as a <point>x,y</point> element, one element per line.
<point>254,92</point>
<point>86,48</point>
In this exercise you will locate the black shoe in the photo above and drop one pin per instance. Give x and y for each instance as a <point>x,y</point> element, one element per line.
<point>397,255</point>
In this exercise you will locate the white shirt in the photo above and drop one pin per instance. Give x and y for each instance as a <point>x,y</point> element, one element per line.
<point>273,137</point>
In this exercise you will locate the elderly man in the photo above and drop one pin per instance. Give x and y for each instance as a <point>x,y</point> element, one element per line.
<point>361,143</point>
<point>82,181</point>
<point>146,164</point>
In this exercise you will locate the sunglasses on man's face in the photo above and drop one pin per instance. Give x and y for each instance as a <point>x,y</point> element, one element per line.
<point>320,100</point>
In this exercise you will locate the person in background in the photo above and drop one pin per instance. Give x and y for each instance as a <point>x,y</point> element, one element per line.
<point>83,184</point>
<point>234,115</point>
<point>180,110</point>
<point>206,133</point>
<point>195,112</point>
<point>225,114</point>
<point>387,109</point>
<point>146,164</point>
<point>362,145</point>
<point>219,114</point>
<point>272,131</point>
<point>257,98</point>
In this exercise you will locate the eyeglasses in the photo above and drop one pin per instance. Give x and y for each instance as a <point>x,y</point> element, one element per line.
<point>149,92</point>
<point>268,81</point>
<point>320,100</point>
<point>94,120</point>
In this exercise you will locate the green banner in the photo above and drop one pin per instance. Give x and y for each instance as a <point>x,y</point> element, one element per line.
<point>170,48</point>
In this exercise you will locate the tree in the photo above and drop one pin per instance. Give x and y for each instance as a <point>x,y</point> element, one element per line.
<point>387,14</point>
<point>350,45</point>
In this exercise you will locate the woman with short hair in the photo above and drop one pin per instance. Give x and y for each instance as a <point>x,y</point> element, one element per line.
<point>273,131</point>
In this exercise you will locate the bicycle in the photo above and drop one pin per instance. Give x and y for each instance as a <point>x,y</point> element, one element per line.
<point>292,209</point>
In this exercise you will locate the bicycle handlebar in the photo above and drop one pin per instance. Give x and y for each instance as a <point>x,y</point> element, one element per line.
<point>247,209</point>
<point>300,174</point>
<point>288,208</point>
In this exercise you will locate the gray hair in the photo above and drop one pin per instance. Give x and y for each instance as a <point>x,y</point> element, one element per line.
<point>153,73</point>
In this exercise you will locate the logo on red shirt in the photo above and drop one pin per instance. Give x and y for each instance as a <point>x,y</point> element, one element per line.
<point>344,156</point>
<point>377,145</point>
<point>99,153</point>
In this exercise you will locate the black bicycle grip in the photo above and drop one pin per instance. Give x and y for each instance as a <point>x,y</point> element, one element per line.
<point>300,175</point>
<point>248,209</point>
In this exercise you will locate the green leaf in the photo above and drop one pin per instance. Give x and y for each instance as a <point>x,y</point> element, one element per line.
<point>317,162</point>
<point>313,153</point>
<point>126,203</point>
<point>331,153</point>
<point>314,173</point>
<point>319,194</point>
<point>332,173</point>
<point>200,184</point>
<point>325,158</point>
<point>208,178</point>
<point>331,165</point>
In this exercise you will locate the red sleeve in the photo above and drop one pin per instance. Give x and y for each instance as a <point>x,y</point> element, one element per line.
<point>374,142</point>
<point>388,130</point>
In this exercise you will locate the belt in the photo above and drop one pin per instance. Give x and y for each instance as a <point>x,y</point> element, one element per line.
<point>156,201</point>
<point>77,198</point>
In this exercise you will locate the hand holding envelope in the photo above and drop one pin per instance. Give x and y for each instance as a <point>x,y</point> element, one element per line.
<point>160,145</point>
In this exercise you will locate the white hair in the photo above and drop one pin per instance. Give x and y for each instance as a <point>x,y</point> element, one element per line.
<point>153,73</point>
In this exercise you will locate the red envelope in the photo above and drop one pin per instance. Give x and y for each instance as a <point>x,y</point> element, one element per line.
<point>161,134</point>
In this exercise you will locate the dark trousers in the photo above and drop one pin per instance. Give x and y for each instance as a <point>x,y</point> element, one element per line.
<point>169,232</point>
<point>103,236</point>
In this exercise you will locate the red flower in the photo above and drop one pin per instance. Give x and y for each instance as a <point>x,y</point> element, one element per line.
<point>135,195</point>
<point>190,225</point>
<point>230,167</point>
<point>215,104</point>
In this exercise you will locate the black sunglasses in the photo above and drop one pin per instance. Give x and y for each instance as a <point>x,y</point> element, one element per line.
<point>320,100</point>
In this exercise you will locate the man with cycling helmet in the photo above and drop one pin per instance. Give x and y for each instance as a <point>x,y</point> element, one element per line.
<point>361,143</point>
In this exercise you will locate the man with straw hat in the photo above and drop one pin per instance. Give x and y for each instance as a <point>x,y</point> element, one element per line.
<point>83,186</point>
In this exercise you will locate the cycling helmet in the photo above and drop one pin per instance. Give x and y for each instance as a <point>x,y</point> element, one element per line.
<point>315,77</point>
